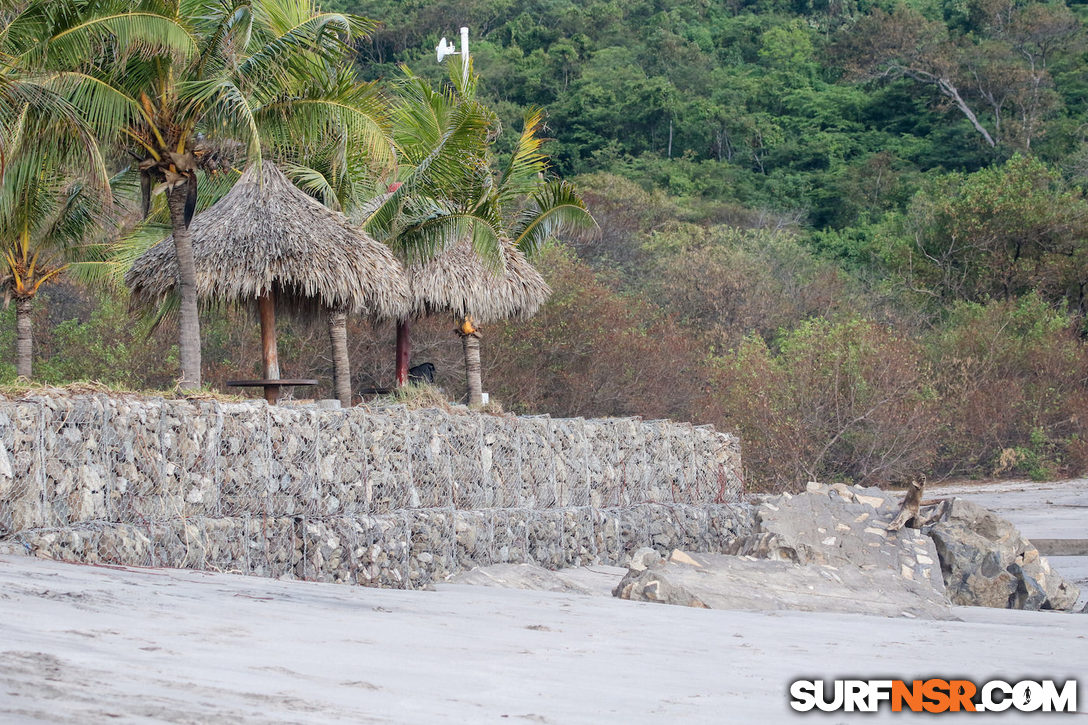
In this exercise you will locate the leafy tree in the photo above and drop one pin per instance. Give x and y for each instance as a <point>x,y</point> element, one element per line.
<point>167,81</point>
<point>1000,232</point>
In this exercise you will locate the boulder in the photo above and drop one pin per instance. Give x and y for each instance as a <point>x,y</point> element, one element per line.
<point>840,526</point>
<point>987,563</point>
<point>717,581</point>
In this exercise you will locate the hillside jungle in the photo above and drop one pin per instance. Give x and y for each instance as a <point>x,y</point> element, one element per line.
<point>854,232</point>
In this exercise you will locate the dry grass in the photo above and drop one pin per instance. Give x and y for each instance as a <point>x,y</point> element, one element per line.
<point>419,396</point>
<point>415,397</point>
<point>23,388</point>
<point>267,235</point>
<point>458,281</point>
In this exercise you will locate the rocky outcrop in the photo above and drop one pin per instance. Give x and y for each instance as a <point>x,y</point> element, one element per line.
<point>827,549</point>
<point>987,563</point>
<point>716,581</point>
<point>830,549</point>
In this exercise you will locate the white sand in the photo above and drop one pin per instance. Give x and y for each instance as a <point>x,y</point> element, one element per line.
<point>87,644</point>
<point>91,644</point>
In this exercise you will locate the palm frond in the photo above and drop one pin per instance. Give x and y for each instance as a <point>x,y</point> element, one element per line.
<point>555,209</point>
<point>528,164</point>
<point>142,34</point>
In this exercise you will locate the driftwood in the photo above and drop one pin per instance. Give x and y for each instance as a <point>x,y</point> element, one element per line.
<point>908,512</point>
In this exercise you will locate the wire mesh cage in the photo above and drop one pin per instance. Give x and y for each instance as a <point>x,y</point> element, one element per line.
<point>570,453</point>
<point>544,532</point>
<point>718,466</point>
<point>133,456</point>
<point>466,467</point>
<point>725,522</point>
<point>431,553</point>
<point>602,473</point>
<point>382,545</point>
<point>681,473</point>
<point>73,483</point>
<point>632,462</point>
<point>227,544</point>
<point>189,444</point>
<point>690,524</point>
<point>634,531</point>
<point>388,496</point>
<point>21,471</point>
<point>537,464</point>
<point>428,435</point>
<point>342,463</point>
<point>608,540</point>
<point>473,539</point>
<point>578,545</point>
<point>242,465</point>
<point>510,536</point>
<point>500,462</point>
<point>178,543</point>
<point>292,486</point>
<point>388,461</point>
<point>659,470</point>
<point>122,544</point>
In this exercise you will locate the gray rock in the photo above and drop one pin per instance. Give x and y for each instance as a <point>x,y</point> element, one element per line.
<point>986,562</point>
<point>645,558</point>
<point>841,526</point>
<point>717,581</point>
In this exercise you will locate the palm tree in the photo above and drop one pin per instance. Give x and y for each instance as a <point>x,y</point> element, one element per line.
<point>339,172</point>
<point>442,140</point>
<point>165,80</point>
<point>54,193</point>
<point>450,192</point>
<point>46,220</point>
<point>525,209</point>
<point>35,120</point>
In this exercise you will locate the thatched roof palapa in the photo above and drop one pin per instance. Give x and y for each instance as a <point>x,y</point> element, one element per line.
<point>266,235</point>
<point>459,281</point>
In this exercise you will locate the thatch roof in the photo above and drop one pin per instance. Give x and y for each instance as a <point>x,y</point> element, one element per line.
<point>458,281</point>
<point>266,234</point>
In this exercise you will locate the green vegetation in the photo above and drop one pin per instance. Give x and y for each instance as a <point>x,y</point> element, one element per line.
<point>855,232</point>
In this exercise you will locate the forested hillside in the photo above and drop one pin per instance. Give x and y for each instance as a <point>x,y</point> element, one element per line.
<point>854,231</point>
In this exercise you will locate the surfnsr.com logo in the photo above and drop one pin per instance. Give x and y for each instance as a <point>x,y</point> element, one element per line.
<point>934,695</point>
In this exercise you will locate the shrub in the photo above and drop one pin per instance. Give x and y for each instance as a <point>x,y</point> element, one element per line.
<point>1013,398</point>
<point>845,400</point>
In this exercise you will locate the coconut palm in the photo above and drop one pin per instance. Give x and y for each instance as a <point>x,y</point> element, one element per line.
<point>165,80</point>
<point>525,209</point>
<point>34,118</point>
<point>442,143</point>
<point>458,225</point>
<point>47,220</point>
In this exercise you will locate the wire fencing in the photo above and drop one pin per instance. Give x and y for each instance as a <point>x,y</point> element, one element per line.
<point>386,496</point>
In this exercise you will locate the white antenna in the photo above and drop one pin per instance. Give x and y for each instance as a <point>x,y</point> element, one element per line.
<point>445,48</point>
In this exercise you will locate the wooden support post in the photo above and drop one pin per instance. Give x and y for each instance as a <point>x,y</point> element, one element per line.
<point>266,305</point>
<point>404,352</point>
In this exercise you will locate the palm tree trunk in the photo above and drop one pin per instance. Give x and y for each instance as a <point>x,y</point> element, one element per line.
<point>404,351</point>
<point>471,343</point>
<point>24,337</point>
<point>341,365</point>
<point>189,332</point>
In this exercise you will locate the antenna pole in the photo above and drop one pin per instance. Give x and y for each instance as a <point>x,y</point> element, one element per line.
<point>464,58</point>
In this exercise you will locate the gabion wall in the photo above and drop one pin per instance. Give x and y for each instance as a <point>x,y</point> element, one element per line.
<point>380,496</point>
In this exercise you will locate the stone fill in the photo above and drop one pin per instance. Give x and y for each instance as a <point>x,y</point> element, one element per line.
<point>384,496</point>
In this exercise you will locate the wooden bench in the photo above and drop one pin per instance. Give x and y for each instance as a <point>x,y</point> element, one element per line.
<point>271,387</point>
